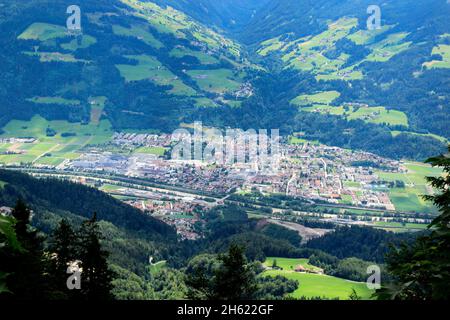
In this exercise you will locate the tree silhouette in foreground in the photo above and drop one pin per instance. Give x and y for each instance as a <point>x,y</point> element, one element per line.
<point>229,277</point>
<point>96,277</point>
<point>235,279</point>
<point>30,272</point>
<point>422,270</point>
<point>27,268</point>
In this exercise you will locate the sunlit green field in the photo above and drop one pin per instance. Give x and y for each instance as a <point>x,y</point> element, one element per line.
<point>316,285</point>
<point>325,97</point>
<point>43,32</point>
<point>139,32</point>
<point>85,42</point>
<point>409,198</point>
<point>54,100</point>
<point>444,51</point>
<point>204,58</point>
<point>149,68</point>
<point>378,115</point>
<point>51,150</point>
<point>216,81</point>
<point>159,151</point>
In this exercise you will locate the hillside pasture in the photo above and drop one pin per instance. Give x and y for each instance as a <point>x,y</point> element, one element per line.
<point>316,285</point>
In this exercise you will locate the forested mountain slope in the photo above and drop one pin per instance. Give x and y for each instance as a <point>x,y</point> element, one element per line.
<point>309,68</point>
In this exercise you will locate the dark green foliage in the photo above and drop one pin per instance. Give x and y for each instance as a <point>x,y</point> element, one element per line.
<point>422,269</point>
<point>26,269</point>
<point>273,288</point>
<point>80,200</point>
<point>226,277</point>
<point>278,232</point>
<point>235,278</point>
<point>361,242</point>
<point>35,273</point>
<point>96,276</point>
<point>64,248</point>
<point>200,277</point>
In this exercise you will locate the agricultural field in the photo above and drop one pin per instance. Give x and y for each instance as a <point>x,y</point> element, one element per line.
<point>83,42</point>
<point>54,100</point>
<point>150,68</point>
<point>444,51</point>
<point>157,151</point>
<point>316,285</point>
<point>46,33</point>
<point>158,266</point>
<point>51,150</point>
<point>377,115</point>
<point>270,45</point>
<point>397,226</point>
<point>170,21</point>
<point>386,49</point>
<point>289,264</point>
<point>346,74</point>
<point>409,198</point>
<point>216,81</point>
<point>97,106</point>
<point>43,32</point>
<point>294,140</point>
<point>138,32</point>
<point>204,58</point>
<point>435,136</point>
<point>325,97</point>
<point>308,55</point>
<point>54,57</point>
<point>205,102</point>
<point>363,37</point>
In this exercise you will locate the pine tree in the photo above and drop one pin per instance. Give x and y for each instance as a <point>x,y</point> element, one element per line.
<point>64,250</point>
<point>235,279</point>
<point>27,269</point>
<point>96,277</point>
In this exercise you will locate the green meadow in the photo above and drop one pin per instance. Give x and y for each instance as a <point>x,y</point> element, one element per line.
<point>325,97</point>
<point>444,51</point>
<point>289,264</point>
<point>149,68</point>
<point>410,197</point>
<point>43,32</point>
<point>158,151</point>
<point>435,136</point>
<point>397,225</point>
<point>97,106</point>
<point>138,32</point>
<point>54,56</point>
<point>204,58</point>
<point>386,49</point>
<point>54,100</point>
<point>316,285</point>
<point>215,81</point>
<point>51,150</point>
<point>270,45</point>
<point>84,42</point>
<point>378,115</point>
<point>158,266</point>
